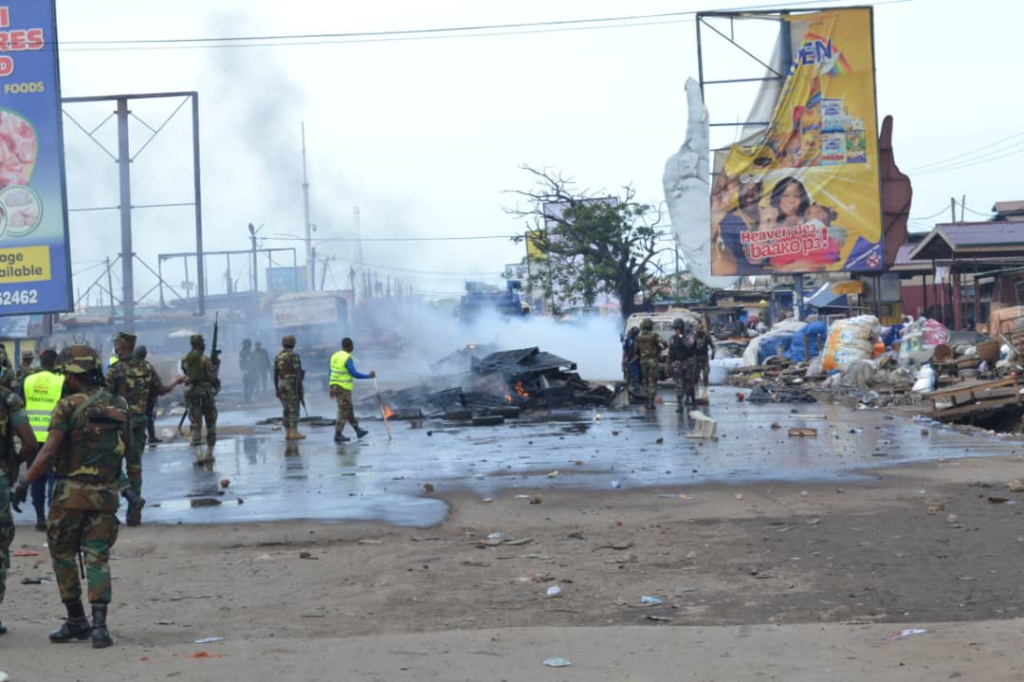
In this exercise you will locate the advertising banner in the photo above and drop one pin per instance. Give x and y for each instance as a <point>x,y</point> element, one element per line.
<point>35,273</point>
<point>282,280</point>
<point>803,195</point>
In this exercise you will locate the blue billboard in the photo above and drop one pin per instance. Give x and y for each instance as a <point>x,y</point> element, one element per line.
<point>35,268</point>
<point>281,280</point>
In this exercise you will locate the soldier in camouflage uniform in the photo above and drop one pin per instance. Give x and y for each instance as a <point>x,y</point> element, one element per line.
<point>288,375</point>
<point>7,375</point>
<point>649,346</point>
<point>25,368</point>
<point>90,434</point>
<point>682,361</point>
<point>704,346</point>
<point>201,387</point>
<point>12,419</point>
<point>135,380</point>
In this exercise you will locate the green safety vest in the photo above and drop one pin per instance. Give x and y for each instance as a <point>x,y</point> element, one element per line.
<point>339,373</point>
<point>42,391</point>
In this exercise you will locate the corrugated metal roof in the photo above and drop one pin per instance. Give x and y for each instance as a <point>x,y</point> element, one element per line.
<point>1008,206</point>
<point>972,240</point>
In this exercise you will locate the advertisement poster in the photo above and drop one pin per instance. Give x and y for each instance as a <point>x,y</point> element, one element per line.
<point>803,195</point>
<point>35,268</point>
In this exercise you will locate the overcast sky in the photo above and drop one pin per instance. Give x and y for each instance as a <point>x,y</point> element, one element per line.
<point>424,135</point>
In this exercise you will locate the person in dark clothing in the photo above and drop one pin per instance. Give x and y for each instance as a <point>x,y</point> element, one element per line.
<point>631,360</point>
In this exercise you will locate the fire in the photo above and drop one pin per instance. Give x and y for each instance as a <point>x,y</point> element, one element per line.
<point>508,398</point>
<point>388,412</point>
<point>520,390</point>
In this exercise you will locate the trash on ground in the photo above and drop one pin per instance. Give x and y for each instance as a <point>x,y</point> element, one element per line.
<point>907,633</point>
<point>803,433</point>
<point>24,553</point>
<point>204,502</point>
<point>554,591</point>
<point>209,640</point>
<point>557,662</point>
<point>1015,486</point>
<point>646,599</point>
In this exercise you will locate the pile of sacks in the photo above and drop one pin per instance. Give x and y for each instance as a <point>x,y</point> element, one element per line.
<point>851,340</point>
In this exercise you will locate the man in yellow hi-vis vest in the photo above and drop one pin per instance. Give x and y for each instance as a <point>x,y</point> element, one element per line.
<point>41,391</point>
<point>343,371</point>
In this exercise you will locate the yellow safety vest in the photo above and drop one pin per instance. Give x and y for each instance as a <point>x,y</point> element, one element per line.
<point>42,391</point>
<point>339,372</point>
<point>112,360</point>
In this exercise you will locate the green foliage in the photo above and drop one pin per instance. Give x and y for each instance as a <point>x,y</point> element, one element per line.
<point>593,243</point>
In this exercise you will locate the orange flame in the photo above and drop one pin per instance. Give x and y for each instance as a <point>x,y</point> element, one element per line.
<point>520,390</point>
<point>388,412</point>
<point>508,398</point>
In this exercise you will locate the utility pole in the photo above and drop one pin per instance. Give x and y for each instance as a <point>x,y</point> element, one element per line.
<point>255,280</point>
<point>310,281</point>
<point>952,209</point>
<point>313,271</point>
<point>110,289</point>
<point>963,207</point>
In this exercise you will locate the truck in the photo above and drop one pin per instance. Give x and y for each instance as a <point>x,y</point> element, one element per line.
<point>479,299</point>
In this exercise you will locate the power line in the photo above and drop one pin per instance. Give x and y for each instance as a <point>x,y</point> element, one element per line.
<point>958,158</point>
<point>481,30</point>
<point>929,217</point>
<point>975,162</point>
<point>392,239</point>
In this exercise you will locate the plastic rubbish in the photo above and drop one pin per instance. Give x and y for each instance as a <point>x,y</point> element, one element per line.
<point>556,662</point>
<point>646,599</point>
<point>616,484</point>
<point>209,640</point>
<point>925,380</point>
<point>908,633</point>
<point>554,591</point>
<point>4,677</point>
<point>496,536</point>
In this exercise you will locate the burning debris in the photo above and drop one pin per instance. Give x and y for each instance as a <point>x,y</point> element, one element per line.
<point>500,385</point>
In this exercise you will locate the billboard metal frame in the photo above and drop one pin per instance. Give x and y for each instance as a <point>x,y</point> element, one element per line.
<point>702,22</point>
<point>124,158</point>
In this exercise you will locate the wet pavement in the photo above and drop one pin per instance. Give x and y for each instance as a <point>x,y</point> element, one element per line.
<point>378,479</point>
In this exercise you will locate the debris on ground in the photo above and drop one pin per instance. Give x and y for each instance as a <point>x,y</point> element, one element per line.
<point>557,662</point>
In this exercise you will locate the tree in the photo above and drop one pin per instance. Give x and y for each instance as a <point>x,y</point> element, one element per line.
<point>594,243</point>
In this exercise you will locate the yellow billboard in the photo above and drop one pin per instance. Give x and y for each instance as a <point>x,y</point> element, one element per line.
<point>803,195</point>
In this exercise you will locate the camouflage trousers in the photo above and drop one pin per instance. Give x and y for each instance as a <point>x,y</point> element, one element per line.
<point>346,413</point>
<point>704,368</point>
<point>6,533</point>
<point>289,398</point>
<point>95,532</point>
<point>684,374</point>
<point>650,371</point>
<point>201,405</point>
<point>133,457</point>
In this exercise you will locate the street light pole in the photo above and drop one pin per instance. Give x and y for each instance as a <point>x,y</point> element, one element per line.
<point>255,279</point>
<point>309,226</point>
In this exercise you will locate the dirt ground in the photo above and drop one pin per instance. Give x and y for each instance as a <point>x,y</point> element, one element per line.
<point>765,581</point>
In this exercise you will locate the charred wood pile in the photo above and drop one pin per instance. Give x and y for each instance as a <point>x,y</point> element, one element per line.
<point>498,386</point>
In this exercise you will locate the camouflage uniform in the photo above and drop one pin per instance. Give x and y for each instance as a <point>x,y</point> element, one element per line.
<point>683,364</point>
<point>97,433</point>
<point>288,379</point>
<point>200,396</point>
<point>134,380</point>
<point>705,349</point>
<point>648,346</point>
<point>12,413</point>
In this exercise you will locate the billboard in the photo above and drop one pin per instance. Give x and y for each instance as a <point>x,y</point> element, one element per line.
<point>802,195</point>
<point>282,280</point>
<point>35,272</point>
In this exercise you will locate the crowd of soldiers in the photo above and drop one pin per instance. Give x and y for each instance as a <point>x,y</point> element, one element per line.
<point>690,351</point>
<point>81,434</point>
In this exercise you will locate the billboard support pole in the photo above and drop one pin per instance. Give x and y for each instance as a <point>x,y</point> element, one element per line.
<point>200,274</point>
<point>125,182</point>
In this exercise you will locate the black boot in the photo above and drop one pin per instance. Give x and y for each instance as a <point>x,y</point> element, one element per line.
<point>100,637</point>
<point>75,627</point>
<point>361,432</point>
<point>40,520</point>
<point>340,438</point>
<point>3,630</point>
<point>135,504</point>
